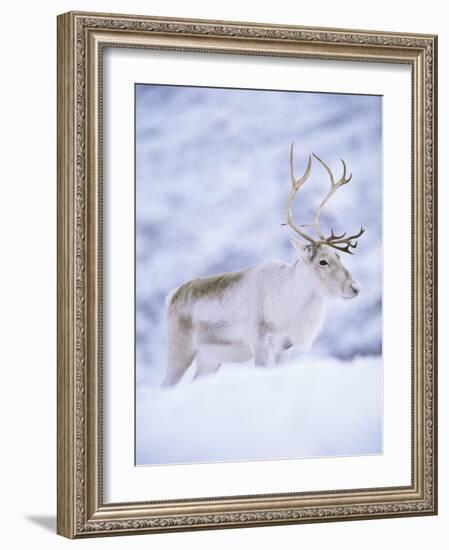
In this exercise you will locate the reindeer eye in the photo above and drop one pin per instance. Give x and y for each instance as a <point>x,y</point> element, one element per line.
<point>323,262</point>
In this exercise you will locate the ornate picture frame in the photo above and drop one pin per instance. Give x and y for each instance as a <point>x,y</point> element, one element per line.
<point>82,40</point>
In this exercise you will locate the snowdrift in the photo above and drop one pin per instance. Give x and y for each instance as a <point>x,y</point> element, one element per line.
<point>316,408</point>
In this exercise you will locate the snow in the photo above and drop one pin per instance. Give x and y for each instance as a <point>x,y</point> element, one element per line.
<point>212,178</point>
<point>308,408</point>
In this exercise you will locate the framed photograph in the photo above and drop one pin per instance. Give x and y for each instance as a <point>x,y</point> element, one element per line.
<point>247,282</point>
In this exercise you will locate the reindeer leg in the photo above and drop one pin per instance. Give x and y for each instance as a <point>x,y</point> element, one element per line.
<point>180,349</point>
<point>172,378</point>
<point>261,353</point>
<point>260,346</point>
<point>282,356</point>
<point>205,365</point>
<point>282,348</point>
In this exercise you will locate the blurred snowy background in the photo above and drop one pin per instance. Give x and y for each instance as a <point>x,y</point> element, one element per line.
<point>212,178</point>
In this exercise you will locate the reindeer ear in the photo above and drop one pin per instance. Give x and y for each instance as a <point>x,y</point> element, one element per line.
<point>306,251</point>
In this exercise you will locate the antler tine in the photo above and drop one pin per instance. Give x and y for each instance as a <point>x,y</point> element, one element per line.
<point>342,181</point>
<point>335,240</point>
<point>334,236</point>
<point>296,184</point>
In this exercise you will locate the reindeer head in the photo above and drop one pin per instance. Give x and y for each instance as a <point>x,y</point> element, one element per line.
<point>328,274</point>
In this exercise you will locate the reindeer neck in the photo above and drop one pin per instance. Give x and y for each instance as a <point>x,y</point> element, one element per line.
<point>300,282</point>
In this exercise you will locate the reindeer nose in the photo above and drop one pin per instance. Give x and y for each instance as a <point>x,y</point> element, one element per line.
<point>355,287</point>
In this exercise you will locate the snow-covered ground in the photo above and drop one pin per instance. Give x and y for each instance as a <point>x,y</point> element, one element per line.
<point>212,179</point>
<point>313,408</point>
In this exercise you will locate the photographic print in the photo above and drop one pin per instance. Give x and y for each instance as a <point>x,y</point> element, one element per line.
<point>258,267</point>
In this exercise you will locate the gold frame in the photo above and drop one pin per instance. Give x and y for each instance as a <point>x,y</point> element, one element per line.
<point>81,37</point>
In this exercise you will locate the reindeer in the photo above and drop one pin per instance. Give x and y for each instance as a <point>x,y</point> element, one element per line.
<point>261,312</point>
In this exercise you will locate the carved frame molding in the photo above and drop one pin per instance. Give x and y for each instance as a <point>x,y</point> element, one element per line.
<point>81,39</point>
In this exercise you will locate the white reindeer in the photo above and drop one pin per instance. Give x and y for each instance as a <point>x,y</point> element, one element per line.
<point>262,311</point>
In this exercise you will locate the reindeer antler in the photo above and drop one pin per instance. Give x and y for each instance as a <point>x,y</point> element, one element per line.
<point>339,242</point>
<point>296,184</point>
